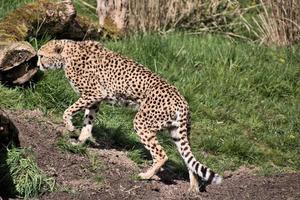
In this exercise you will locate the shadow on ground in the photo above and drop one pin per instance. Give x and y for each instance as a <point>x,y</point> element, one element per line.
<point>119,139</point>
<point>8,139</point>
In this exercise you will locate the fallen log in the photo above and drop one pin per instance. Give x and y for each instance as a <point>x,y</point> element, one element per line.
<point>57,19</point>
<point>16,62</point>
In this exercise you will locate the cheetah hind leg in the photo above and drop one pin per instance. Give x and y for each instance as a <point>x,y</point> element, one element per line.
<point>194,182</point>
<point>158,154</point>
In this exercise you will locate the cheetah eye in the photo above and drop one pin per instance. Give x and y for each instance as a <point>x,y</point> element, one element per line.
<point>58,49</point>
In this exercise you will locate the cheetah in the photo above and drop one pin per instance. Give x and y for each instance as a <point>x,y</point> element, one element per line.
<point>99,74</point>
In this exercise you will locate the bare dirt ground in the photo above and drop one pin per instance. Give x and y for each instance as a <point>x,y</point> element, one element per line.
<point>75,172</point>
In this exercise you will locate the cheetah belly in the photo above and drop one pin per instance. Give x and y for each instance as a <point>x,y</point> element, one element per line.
<point>122,100</point>
<point>73,86</point>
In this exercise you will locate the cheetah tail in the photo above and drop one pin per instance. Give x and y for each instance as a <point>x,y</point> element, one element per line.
<point>180,138</point>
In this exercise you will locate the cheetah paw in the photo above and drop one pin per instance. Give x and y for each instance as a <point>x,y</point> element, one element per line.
<point>75,142</point>
<point>90,140</point>
<point>194,189</point>
<point>70,127</point>
<point>145,176</point>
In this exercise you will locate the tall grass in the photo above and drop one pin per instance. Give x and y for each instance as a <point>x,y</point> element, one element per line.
<point>192,14</point>
<point>197,16</point>
<point>279,22</point>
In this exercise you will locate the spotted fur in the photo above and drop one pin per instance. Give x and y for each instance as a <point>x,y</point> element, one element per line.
<point>99,74</point>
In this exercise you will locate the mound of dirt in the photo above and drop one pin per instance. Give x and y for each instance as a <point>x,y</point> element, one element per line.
<point>109,174</point>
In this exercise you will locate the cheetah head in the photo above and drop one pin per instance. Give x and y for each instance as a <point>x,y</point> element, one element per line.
<point>50,55</point>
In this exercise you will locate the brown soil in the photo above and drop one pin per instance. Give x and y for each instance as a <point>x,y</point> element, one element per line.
<point>78,175</point>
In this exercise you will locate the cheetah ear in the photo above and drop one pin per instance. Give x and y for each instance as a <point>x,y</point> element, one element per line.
<point>58,48</point>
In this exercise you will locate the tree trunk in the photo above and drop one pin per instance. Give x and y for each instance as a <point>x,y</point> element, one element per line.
<point>112,16</point>
<point>17,57</point>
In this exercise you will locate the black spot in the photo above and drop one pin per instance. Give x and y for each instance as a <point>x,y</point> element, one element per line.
<point>197,167</point>
<point>150,138</point>
<point>194,162</point>
<point>175,139</point>
<point>187,154</point>
<point>183,143</point>
<point>91,117</point>
<point>89,122</point>
<point>189,160</point>
<point>211,177</point>
<point>203,170</point>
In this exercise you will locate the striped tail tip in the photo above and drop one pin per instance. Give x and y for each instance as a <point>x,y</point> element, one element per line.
<point>217,179</point>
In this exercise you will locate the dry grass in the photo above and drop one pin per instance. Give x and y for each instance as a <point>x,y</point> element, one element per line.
<point>197,15</point>
<point>279,22</point>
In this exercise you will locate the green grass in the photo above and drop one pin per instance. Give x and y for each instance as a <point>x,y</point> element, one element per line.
<point>88,11</point>
<point>7,6</point>
<point>65,145</point>
<point>96,167</point>
<point>29,180</point>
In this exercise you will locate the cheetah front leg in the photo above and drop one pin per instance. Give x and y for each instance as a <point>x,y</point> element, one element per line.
<point>85,101</point>
<point>89,117</point>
